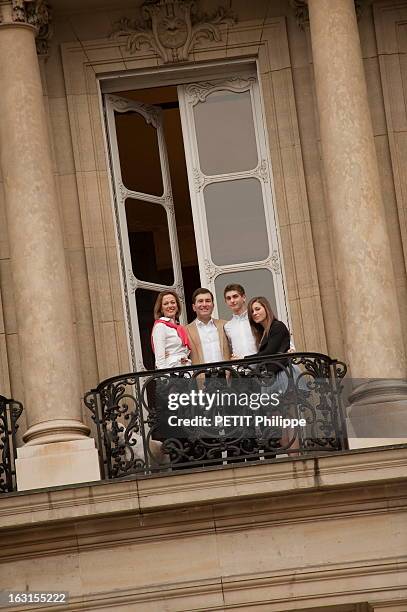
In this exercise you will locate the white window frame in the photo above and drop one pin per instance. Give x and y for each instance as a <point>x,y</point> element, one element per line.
<point>189,96</point>
<point>152,115</point>
<point>211,71</point>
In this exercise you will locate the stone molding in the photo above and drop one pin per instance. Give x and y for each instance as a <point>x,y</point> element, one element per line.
<point>231,510</point>
<point>171,28</point>
<point>183,594</point>
<point>57,430</point>
<point>340,471</point>
<point>35,13</point>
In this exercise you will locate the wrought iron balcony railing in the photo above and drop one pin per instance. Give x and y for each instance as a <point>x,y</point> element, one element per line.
<point>255,409</point>
<point>10,412</point>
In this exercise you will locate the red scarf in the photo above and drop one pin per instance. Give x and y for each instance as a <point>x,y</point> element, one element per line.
<point>180,329</point>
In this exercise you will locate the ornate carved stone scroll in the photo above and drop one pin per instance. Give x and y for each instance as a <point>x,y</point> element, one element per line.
<point>171,28</point>
<point>32,12</point>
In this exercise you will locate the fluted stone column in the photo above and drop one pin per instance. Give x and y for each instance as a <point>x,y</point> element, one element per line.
<point>365,275</point>
<point>41,288</point>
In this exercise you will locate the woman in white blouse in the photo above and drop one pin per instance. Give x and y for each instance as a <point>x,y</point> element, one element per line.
<point>169,339</point>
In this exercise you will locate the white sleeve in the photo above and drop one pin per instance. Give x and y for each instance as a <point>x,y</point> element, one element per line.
<point>159,341</point>
<point>228,336</point>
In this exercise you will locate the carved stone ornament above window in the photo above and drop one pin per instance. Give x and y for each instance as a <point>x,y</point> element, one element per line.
<point>171,28</point>
<point>300,8</point>
<point>301,11</point>
<point>32,12</point>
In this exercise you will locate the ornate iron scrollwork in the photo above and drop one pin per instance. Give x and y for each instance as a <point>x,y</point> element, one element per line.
<point>131,414</point>
<point>10,412</point>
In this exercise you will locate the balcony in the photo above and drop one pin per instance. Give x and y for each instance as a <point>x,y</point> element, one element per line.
<point>10,412</point>
<point>195,417</point>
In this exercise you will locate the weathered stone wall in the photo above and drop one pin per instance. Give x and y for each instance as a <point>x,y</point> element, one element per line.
<point>327,534</point>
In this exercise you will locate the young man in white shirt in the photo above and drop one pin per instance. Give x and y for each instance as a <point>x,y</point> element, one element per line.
<point>238,330</point>
<point>206,335</point>
<point>239,334</point>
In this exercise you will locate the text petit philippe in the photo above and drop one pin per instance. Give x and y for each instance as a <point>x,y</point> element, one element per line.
<point>217,401</point>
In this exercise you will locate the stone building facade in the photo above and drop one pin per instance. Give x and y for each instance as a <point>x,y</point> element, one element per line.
<point>326,80</point>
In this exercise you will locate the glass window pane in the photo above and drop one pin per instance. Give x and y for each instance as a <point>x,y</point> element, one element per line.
<point>139,154</point>
<point>255,282</point>
<point>149,242</point>
<point>236,221</point>
<point>145,301</point>
<point>225,133</point>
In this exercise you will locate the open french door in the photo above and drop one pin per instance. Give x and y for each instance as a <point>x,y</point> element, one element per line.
<point>233,222</point>
<point>143,201</point>
<point>231,189</point>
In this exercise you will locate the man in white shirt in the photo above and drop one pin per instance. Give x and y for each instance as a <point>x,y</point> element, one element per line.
<point>238,330</point>
<point>208,344</point>
<point>206,335</point>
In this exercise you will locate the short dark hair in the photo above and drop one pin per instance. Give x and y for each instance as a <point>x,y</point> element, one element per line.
<point>159,302</point>
<point>199,291</point>
<point>234,287</point>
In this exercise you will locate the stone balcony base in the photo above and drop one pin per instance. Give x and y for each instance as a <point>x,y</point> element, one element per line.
<point>292,534</point>
<point>56,463</point>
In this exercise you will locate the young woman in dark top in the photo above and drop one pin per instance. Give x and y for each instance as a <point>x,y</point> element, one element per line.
<point>271,335</point>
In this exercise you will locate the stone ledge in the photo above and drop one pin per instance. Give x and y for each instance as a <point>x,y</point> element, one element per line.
<point>116,530</point>
<point>142,495</point>
<point>311,587</point>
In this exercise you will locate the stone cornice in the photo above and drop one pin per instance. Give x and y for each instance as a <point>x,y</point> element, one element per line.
<point>231,485</point>
<point>34,13</point>
<point>96,531</point>
<point>263,585</point>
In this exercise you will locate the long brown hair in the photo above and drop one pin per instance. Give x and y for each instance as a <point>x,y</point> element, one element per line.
<point>258,330</point>
<point>158,306</point>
